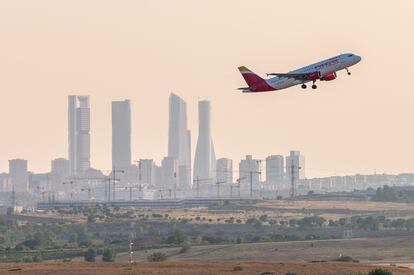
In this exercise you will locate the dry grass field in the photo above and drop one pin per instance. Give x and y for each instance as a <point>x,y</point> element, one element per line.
<point>196,267</point>
<point>351,205</point>
<point>388,250</point>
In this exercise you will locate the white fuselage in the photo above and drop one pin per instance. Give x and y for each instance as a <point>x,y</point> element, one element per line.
<point>324,67</point>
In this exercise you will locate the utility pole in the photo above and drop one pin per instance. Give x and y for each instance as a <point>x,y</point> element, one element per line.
<point>130,192</point>
<point>238,185</point>
<point>175,185</point>
<point>197,182</point>
<point>130,252</point>
<point>107,188</point>
<point>251,181</point>
<point>13,201</point>
<point>140,193</point>
<point>114,179</point>
<point>218,187</point>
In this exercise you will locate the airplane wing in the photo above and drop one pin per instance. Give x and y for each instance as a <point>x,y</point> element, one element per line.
<point>299,76</point>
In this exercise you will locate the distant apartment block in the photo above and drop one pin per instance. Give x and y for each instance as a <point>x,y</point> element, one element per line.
<point>147,172</point>
<point>60,172</point>
<point>249,171</point>
<point>224,171</point>
<point>295,166</point>
<point>19,175</point>
<point>275,171</point>
<point>170,174</point>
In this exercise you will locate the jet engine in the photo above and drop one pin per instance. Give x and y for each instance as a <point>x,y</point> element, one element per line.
<point>329,77</point>
<point>314,76</point>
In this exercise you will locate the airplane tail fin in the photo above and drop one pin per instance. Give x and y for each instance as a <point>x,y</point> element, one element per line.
<point>250,77</point>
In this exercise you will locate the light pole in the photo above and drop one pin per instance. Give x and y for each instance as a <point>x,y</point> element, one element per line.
<point>130,192</point>
<point>114,179</point>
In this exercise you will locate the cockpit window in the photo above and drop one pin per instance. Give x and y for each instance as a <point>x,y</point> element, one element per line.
<point>350,55</point>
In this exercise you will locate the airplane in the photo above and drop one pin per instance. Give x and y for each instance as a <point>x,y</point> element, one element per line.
<point>324,71</point>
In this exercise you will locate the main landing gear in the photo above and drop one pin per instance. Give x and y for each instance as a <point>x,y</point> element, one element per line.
<point>313,86</point>
<point>347,70</point>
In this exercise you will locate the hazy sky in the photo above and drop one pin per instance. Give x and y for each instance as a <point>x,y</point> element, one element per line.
<point>143,50</point>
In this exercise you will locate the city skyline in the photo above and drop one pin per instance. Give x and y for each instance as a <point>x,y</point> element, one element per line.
<point>357,125</point>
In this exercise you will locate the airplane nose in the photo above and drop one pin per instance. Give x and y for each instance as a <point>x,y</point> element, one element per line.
<point>358,58</point>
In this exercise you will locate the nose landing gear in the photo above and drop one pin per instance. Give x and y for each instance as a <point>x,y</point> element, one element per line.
<point>347,70</point>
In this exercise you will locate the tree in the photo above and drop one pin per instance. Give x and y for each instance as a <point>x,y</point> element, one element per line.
<point>177,237</point>
<point>263,218</point>
<point>27,259</point>
<point>90,255</point>
<point>83,237</point>
<point>409,224</point>
<point>398,223</point>
<point>108,254</point>
<point>370,223</point>
<point>91,218</point>
<point>380,271</point>
<point>386,193</point>
<point>157,257</point>
<point>37,258</point>
<point>184,249</point>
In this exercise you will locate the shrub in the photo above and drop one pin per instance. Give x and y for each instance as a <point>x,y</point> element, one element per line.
<point>27,259</point>
<point>240,239</point>
<point>237,268</point>
<point>90,255</point>
<point>345,259</point>
<point>157,257</point>
<point>108,254</point>
<point>185,248</point>
<point>37,258</point>
<point>263,218</point>
<point>380,271</point>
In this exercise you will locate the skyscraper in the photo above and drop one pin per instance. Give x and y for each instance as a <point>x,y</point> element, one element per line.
<point>79,134</point>
<point>274,171</point>
<point>205,158</point>
<point>179,139</point>
<point>19,175</point>
<point>121,134</point>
